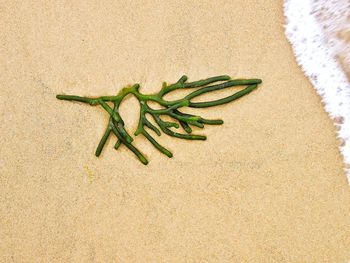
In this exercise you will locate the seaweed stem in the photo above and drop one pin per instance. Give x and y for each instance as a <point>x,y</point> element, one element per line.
<point>170,108</point>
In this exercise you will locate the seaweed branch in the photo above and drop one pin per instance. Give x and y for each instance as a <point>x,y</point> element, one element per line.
<point>170,108</point>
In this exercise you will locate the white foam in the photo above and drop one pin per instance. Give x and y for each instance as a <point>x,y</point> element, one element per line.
<point>317,59</point>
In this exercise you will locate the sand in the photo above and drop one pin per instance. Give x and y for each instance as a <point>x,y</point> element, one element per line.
<point>334,20</point>
<point>267,186</point>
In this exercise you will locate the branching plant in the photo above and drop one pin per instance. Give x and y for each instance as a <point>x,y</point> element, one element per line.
<point>170,108</point>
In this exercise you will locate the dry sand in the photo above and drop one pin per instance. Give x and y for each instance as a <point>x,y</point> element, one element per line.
<point>267,186</point>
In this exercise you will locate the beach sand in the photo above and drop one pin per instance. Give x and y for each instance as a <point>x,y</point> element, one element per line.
<point>267,186</point>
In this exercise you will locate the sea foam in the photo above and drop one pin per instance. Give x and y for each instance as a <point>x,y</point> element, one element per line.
<point>317,31</point>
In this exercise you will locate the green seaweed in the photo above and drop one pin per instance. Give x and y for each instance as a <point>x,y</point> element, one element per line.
<point>170,108</point>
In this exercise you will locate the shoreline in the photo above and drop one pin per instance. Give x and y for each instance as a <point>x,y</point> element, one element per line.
<point>318,62</point>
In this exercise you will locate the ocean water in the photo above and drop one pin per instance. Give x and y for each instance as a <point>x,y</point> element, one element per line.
<point>319,32</point>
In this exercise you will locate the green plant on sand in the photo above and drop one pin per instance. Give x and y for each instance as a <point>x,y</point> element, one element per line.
<point>170,108</point>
